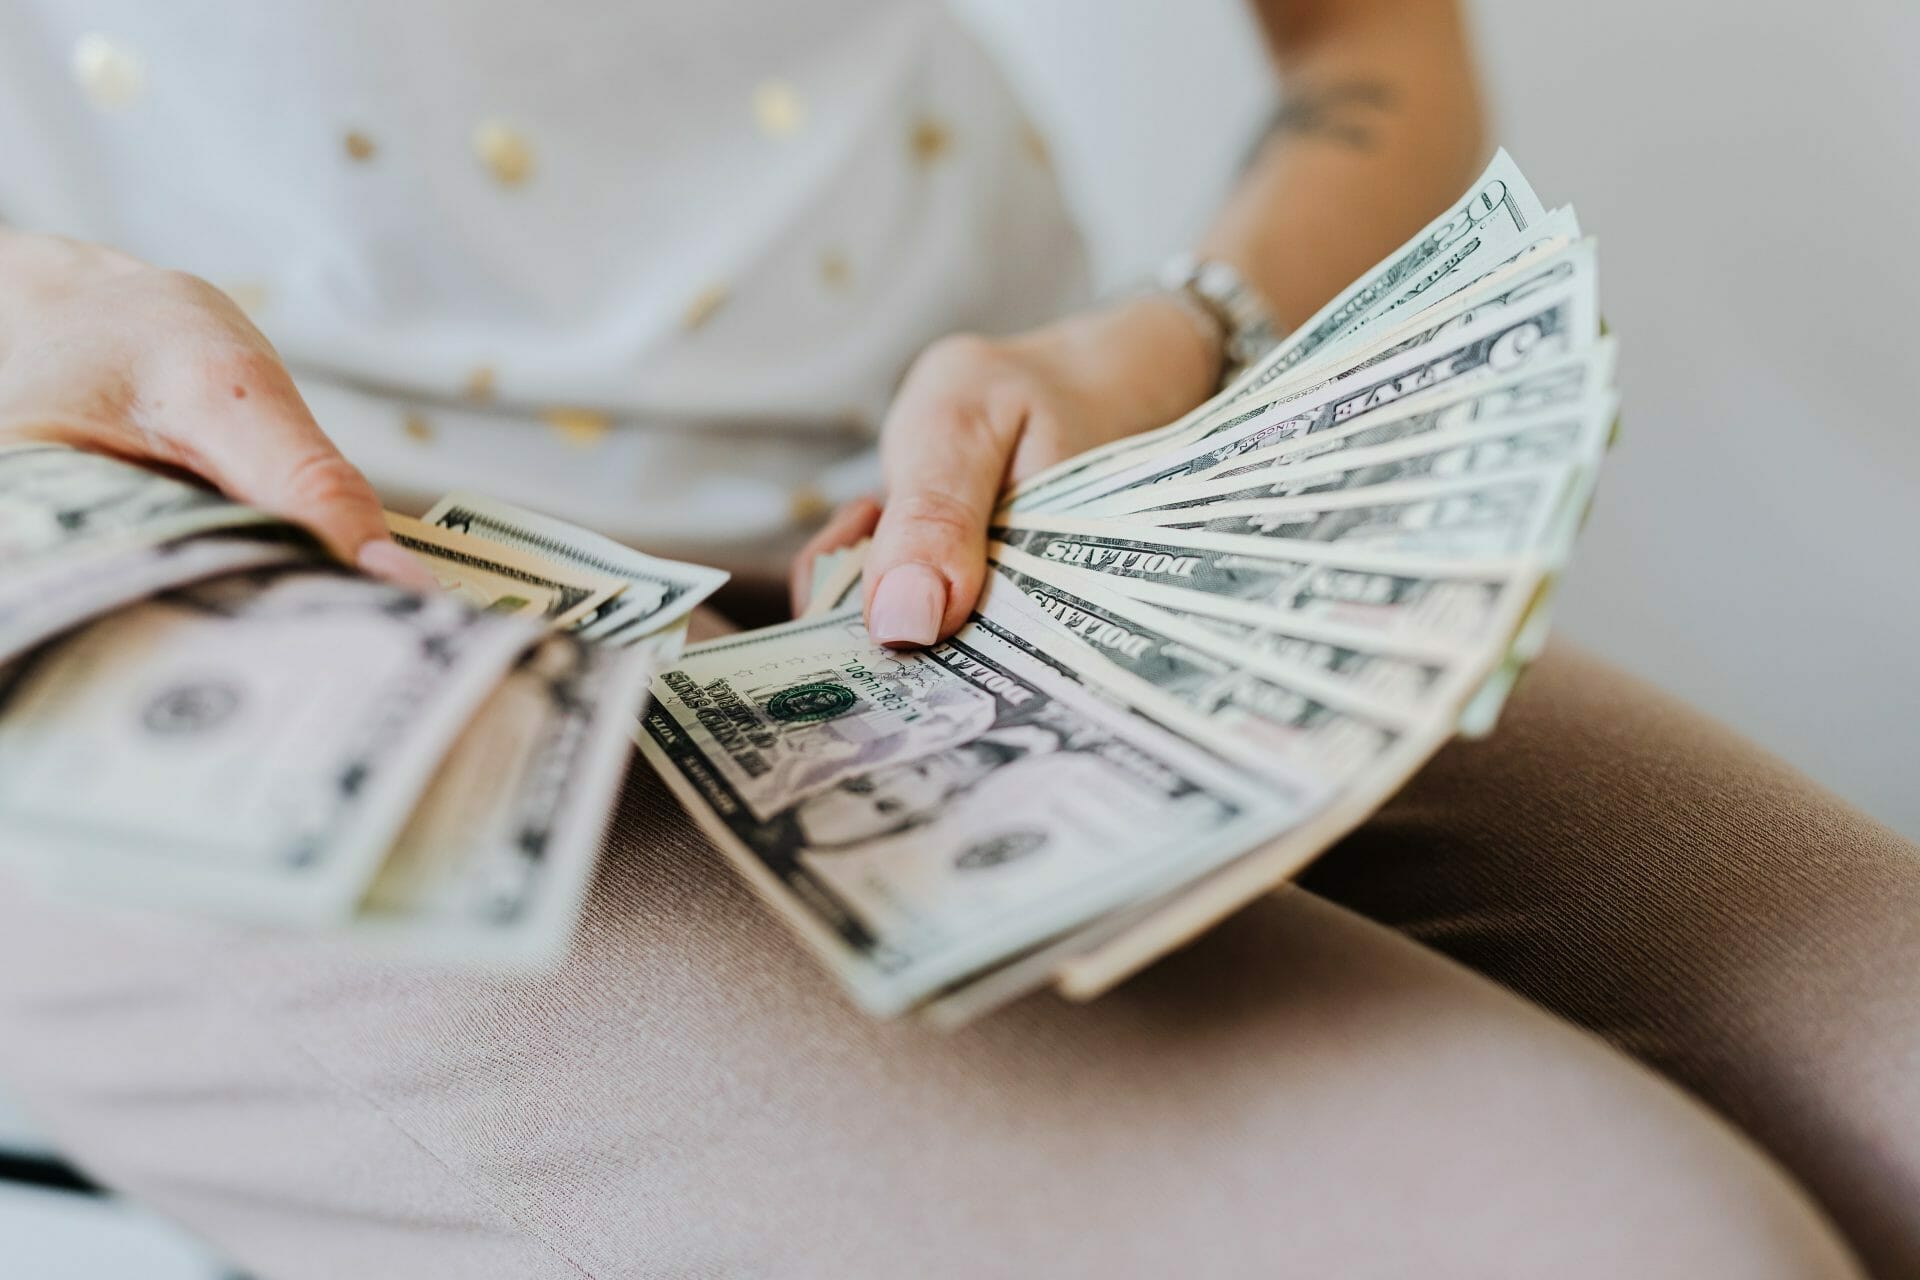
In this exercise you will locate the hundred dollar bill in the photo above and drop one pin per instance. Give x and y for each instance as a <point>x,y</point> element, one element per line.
<point>654,592</point>
<point>1577,434</point>
<point>1265,713</point>
<point>1489,224</point>
<point>1408,673</point>
<point>249,746</point>
<point>1543,325</point>
<point>1394,597</point>
<point>494,863</point>
<point>499,579</point>
<point>923,816</point>
<point>1517,513</point>
<point>56,502</point>
<point>39,601</point>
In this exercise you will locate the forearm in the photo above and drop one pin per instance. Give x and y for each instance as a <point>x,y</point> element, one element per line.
<point>1381,126</point>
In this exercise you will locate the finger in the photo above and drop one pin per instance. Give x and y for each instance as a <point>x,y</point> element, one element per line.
<point>852,522</point>
<point>259,444</point>
<point>928,559</point>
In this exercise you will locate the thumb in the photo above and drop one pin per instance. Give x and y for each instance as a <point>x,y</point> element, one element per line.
<point>928,557</point>
<point>271,453</point>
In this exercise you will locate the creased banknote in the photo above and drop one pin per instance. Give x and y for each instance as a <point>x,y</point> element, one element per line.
<point>248,746</point>
<point>920,816</point>
<point>494,861</point>
<point>653,593</point>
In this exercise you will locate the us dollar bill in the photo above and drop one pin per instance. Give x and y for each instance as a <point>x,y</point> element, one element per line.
<point>494,862</point>
<point>1539,267</point>
<point>39,601</point>
<point>1563,384</point>
<point>1540,326</point>
<point>922,816</point>
<point>57,502</point>
<point>654,593</point>
<point>1406,673</point>
<point>495,578</point>
<point>836,579</point>
<point>249,746</point>
<point>1431,294</point>
<point>1498,216</point>
<point>1263,712</point>
<point>1575,435</point>
<point>1507,515</point>
<point>1428,603</point>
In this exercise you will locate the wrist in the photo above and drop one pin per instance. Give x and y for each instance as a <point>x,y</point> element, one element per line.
<point>1139,362</point>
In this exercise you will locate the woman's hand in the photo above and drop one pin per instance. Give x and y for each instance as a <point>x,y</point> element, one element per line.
<point>977,414</point>
<point>102,352</point>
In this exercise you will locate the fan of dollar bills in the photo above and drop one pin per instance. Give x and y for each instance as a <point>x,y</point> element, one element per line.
<point>199,713</point>
<point>1203,654</point>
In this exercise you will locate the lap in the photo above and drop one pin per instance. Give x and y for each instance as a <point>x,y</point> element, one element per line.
<point>1638,869</point>
<point>1302,1092</point>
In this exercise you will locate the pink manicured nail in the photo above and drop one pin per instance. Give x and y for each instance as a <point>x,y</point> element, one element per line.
<point>395,564</point>
<point>907,606</point>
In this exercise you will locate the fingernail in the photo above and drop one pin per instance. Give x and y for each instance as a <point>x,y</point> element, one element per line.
<point>907,606</point>
<point>389,560</point>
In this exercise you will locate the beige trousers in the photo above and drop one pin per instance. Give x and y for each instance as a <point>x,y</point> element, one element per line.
<point>1305,1092</point>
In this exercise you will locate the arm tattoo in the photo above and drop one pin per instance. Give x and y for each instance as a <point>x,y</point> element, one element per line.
<point>1344,111</point>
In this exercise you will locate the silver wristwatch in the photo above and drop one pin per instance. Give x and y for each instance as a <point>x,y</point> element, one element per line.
<point>1246,330</point>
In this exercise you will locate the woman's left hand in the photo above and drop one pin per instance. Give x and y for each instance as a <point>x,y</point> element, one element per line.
<point>977,414</point>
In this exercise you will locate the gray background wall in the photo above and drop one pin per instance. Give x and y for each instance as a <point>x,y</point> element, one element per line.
<point>1752,171</point>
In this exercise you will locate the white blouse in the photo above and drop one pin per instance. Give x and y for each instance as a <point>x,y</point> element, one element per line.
<point>651,266</point>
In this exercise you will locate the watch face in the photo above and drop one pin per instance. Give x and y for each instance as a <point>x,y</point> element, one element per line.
<point>1215,288</point>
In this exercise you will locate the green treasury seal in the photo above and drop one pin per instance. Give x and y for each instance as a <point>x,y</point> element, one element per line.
<point>821,700</point>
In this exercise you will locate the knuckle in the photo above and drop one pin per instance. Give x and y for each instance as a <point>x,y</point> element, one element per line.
<point>947,517</point>
<point>323,480</point>
<point>185,287</point>
<point>964,348</point>
<point>963,356</point>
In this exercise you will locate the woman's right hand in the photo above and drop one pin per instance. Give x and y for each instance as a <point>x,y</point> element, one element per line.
<point>103,352</point>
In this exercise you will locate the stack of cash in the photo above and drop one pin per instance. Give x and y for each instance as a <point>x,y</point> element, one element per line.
<point>1203,653</point>
<point>198,713</point>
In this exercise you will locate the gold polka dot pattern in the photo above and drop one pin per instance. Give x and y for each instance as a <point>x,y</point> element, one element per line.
<point>808,505</point>
<point>112,75</point>
<point>581,428</point>
<point>480,385</point>
<point>928,141</point>
<point>505,151</point>
<point>1036,145</point>
<point>705,305</point>
<point>836,271</point>
<point>778,110</point>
